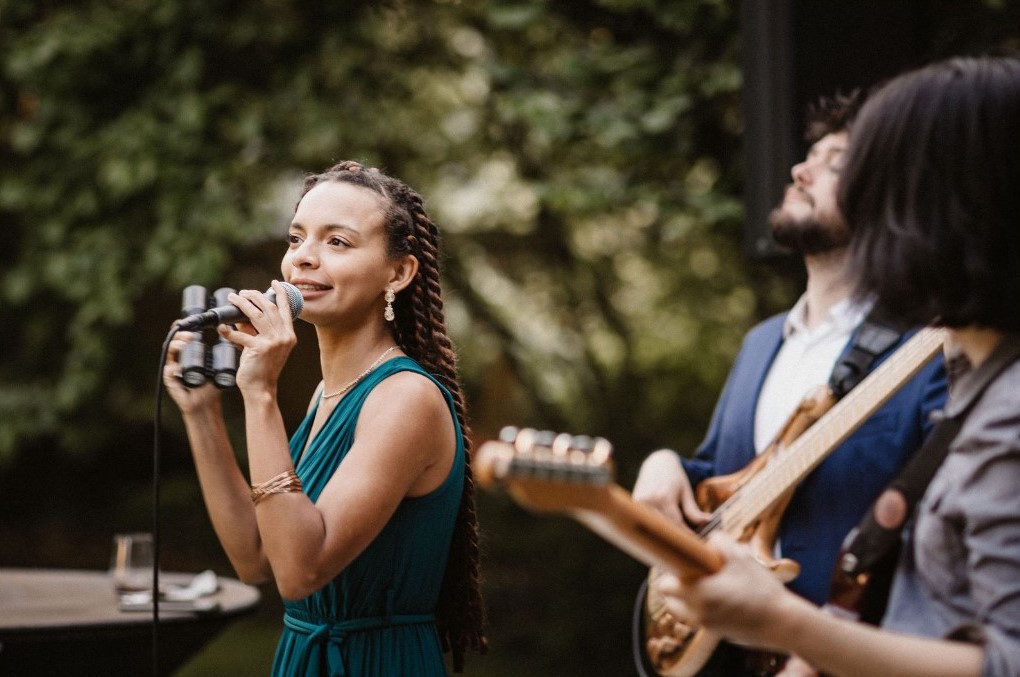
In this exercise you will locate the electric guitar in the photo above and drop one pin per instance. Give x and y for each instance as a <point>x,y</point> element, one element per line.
<point>561,473</point>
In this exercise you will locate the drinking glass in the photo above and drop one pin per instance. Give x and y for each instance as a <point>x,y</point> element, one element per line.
<point>131,563</point>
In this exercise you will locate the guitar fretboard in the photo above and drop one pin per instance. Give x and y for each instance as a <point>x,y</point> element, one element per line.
<point>794,463</point>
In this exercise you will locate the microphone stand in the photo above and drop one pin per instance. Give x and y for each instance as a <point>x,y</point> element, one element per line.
<point>155,501</point>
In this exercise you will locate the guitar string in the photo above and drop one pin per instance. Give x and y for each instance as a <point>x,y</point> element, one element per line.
<point>735,512</point>
<point>755,501</point>
<point>758,500</point>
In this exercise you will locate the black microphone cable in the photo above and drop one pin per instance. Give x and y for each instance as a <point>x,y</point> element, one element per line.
<point>157,417</point>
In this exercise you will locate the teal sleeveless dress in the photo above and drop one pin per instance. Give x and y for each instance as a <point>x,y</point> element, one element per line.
<point>376,618</point>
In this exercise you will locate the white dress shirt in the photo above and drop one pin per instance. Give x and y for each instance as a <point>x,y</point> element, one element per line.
<point>804,361</point>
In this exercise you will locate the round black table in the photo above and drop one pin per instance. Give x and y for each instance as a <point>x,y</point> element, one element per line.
<point>67,622</point>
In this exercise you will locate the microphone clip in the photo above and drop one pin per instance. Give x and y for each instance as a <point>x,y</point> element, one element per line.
<point>212,356</point>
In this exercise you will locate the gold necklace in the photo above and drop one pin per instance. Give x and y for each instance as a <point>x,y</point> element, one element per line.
<point>363,375</point>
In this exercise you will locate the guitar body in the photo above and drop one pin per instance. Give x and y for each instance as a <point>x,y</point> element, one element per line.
<point>677,648</point>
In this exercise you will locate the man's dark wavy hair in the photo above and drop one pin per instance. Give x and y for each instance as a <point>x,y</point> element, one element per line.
<point>832,114</point>
<point>931,189</point>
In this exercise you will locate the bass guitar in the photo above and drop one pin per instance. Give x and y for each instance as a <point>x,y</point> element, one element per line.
<point>574,475</point>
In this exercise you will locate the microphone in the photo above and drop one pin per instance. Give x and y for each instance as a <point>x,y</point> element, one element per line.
<point>229,313</point>
<point>224,353</point>
<point>194,301</point>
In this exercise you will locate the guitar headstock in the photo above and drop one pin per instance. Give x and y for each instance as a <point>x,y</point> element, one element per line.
<point>525,453</point>
<point>544,469</point>
<point>574,474</point>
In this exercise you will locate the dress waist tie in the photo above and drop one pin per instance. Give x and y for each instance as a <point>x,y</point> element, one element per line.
<point>328,634</point>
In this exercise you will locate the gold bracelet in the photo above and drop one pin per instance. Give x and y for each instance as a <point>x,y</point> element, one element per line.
<point>283,483</point>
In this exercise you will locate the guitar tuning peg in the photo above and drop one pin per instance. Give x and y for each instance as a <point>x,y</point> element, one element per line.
<point>581,443</point>
<point>602,450</point>
<point>545,438</point>
<point>525,440</point>
<point>562,444</point>
<point>580,450</point>
<point>508,434</point>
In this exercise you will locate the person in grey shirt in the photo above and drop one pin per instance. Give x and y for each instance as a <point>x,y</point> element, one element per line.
<point>959,575</point>
<point>931,189</point>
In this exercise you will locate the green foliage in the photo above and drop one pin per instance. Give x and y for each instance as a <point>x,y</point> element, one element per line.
<point>605,265</point>
<point>581,157</point>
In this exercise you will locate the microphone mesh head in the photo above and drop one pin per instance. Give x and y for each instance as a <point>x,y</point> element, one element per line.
<point>294,299</point>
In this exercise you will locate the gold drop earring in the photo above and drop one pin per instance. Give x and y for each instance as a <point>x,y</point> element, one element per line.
<point>390,298</point>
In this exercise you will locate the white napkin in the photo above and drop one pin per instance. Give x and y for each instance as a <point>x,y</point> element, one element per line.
<point>201,585</point>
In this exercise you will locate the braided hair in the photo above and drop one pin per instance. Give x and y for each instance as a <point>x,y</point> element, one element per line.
<point>419,329</point>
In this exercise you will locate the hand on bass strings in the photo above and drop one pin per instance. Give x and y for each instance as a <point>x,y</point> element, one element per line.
<point>663,485</point>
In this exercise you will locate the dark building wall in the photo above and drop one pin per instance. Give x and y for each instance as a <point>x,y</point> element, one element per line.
<point>796,50</point>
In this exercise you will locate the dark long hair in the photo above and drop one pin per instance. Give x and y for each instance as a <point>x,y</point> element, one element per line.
<point>931,189</point>
<point>419,328</point>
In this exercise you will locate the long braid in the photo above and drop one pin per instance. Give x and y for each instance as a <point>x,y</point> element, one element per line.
<point>419,329</point>
<point>460,615</point>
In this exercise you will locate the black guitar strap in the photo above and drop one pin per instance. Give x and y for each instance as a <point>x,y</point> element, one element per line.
<point>863,574</point>
<point>871,548</point>
<point>874,337</point>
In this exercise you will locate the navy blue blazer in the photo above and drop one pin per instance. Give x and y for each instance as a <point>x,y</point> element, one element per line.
<point>835,496</point>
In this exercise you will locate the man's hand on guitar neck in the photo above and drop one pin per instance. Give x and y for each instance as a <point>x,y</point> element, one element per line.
<point>663,485</point>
